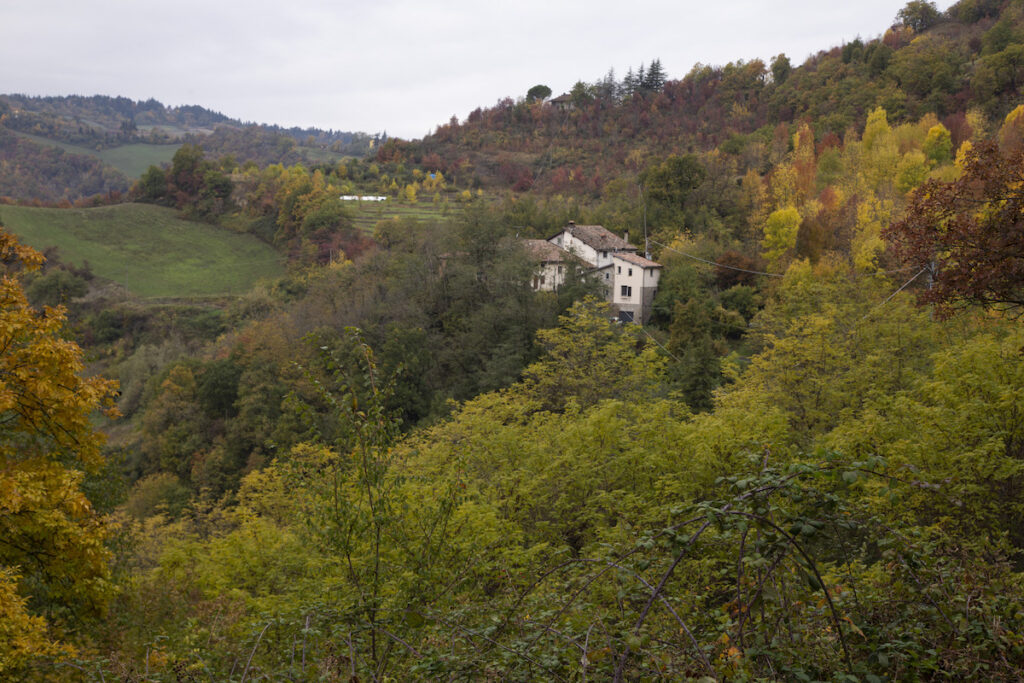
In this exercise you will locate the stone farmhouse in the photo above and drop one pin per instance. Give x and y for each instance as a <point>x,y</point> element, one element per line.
<point>630,280</point>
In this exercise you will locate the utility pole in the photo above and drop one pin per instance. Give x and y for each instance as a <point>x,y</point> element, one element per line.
<point>643,199</point>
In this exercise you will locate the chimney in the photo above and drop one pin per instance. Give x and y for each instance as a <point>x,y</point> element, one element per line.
<point>626,236</point>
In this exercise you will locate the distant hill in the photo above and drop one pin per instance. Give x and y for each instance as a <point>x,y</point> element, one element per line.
<point>100,121</point>
<point>46,172</point>
<point>70,147</point>
<point>265,145</point>
<point>132,159</point>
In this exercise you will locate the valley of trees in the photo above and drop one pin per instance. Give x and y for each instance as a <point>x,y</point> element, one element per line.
<point>400,462</point>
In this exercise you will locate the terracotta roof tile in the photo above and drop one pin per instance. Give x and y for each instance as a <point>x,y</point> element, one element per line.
<point>599,237</point>
<point>544,251</point>
<point>637,260</point>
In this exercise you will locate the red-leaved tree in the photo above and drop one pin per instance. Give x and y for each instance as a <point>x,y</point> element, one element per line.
<point>969,233</point>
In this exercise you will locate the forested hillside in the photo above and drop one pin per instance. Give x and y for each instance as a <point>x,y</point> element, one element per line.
<point>400,461</point>
<point>949,66</point>
<point>36,172</point>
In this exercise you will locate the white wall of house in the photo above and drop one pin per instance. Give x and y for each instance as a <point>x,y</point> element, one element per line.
<point>631,280</point>
<point>549,277</point>
<point>606,276</point>
<point>571,244</point>
<point>634,287</point>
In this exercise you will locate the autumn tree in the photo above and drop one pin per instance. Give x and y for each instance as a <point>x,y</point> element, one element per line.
<point>968,233</point>
<point>673,179</point>
<point>780,233</point>
<point>52,558</point>
<point>781,68</point>
<point>938,145</point>
<point>918,15</point>
<point>588,358</point>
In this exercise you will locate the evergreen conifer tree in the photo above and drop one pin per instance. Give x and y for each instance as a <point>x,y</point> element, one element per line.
<point>629,85</point>
<point>655,78</point>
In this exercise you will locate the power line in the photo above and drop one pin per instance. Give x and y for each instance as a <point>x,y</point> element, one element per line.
<point>713,263</point>
<point>649,336</point>
<point>755,272</point>
<point>889,298</point>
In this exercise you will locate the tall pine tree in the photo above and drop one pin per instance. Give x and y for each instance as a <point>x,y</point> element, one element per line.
<point>654,80</point>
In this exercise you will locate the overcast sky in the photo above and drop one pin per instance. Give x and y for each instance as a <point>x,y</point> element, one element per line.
<point>401,66</point>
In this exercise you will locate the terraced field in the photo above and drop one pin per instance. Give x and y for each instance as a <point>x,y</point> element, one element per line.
<point>365,215</point>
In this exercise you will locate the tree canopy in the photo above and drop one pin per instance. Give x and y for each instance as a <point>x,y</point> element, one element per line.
<point>969,233</point>
<point>53,562</point>
<point>919,15</point>
<point>538,92</point>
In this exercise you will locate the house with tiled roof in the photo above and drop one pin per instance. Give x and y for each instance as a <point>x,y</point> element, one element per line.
<point>630,280</point>
<point>563,102</point>
<point>593,243</point>
<point>553,263</point>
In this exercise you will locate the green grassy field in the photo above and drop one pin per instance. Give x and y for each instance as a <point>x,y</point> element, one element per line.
<point>148,249</point>
<point>317,155</point>
<point>132,160</point>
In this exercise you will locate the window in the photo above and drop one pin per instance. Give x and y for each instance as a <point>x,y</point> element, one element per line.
<point>619,271</point>
<point>631,272</point>
<point>606,276</point>
<point>626,291</point>
<point>542,279</point>
<point>604,254</point>
<point>559,270</point>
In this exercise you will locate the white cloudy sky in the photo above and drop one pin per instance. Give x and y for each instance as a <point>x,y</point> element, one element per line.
<point>403,66</point>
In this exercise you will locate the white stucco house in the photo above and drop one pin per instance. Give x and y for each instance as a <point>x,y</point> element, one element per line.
<point>552,261</point>
<point>635,282</point>
<point>630,280</point>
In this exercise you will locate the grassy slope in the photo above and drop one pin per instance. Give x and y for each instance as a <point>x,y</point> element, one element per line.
<point>148,249</point>
<point>132,160</point>
<point>317,155</point>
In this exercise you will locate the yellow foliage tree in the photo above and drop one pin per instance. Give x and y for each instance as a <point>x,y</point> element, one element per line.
<point>880,152</point>
<point>873,214</point>
<point>1011,134</point>
<point>938,144</point>
<point>52,557</point>
<point>783,186</point>
<point>961,154</point>
<point>780,232</point>
<point>911,171</point>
